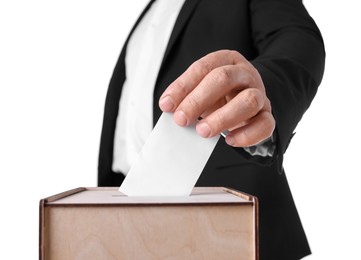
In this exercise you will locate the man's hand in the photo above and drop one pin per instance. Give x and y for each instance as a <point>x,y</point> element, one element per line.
<point>228,93</point>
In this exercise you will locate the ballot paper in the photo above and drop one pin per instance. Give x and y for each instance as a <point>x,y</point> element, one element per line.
<point>170,161</point>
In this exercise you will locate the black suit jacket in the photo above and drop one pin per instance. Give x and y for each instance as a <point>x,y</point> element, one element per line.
<point>284,44</point>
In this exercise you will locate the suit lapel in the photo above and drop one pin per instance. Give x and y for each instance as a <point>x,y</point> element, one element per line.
<point>138,21</point>
<point>183,17</point>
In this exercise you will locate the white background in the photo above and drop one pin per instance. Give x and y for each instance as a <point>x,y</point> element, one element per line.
<point>56,59</point>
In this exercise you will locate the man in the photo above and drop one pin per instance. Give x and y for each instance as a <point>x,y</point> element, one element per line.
<point>249,67</point>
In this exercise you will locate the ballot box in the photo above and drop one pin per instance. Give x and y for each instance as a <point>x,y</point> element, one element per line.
<point>103,223</point>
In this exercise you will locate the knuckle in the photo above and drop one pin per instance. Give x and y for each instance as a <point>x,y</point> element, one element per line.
<point>193,103</point>
<point>245,79</point>
<point>253,99</point>
<point>181,86</point>
<point>222,76</point>
<point>236,56</point>
<point>202,67</point>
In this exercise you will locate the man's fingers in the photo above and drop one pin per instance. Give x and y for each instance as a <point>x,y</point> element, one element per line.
<point>246,105</point>
<point>258,129</point>
<point>215,86</point>
<point>228,92</point>
<point>190,79</point>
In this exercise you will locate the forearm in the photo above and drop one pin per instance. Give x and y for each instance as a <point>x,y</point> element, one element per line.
<point>290,62</point>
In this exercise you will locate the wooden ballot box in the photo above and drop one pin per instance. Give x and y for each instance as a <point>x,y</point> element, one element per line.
<point>103,223</point>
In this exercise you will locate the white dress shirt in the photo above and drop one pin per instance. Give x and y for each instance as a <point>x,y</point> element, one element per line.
<point>144,54</point>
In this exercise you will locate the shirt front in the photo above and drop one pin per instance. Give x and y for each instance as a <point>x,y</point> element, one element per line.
<point>144,54</point>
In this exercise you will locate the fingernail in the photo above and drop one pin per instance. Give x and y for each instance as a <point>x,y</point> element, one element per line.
<point>166,104</point>
<point>203,129</point>
<point>230,140</point>
<point>180,118</point>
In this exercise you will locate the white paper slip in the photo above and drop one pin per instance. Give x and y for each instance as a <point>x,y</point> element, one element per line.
<point>170,162</point>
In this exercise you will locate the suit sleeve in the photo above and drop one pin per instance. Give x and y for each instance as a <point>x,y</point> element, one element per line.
<point>290,61</point>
